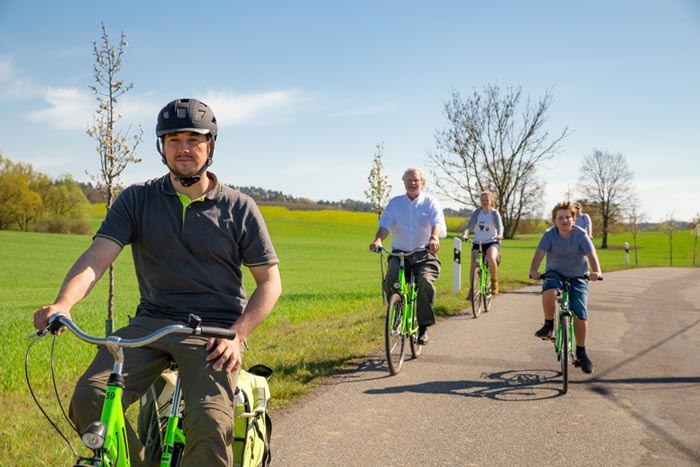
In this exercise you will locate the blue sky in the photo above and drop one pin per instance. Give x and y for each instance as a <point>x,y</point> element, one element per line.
<point>304,91</point>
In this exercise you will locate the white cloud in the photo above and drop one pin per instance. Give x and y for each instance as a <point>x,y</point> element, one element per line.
<point>70,109</point>
<point>236,109</point>
<point>12,85</point>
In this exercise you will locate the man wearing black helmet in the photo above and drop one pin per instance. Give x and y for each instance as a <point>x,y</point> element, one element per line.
<point>189,236</point>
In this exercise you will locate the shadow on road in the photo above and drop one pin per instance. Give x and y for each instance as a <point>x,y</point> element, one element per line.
<point>505,386</point>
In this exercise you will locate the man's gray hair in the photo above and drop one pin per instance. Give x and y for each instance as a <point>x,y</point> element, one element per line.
<point>419,171</point>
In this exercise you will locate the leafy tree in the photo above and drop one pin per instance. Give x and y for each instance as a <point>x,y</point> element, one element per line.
<point>20,202</point>
<point>66,198</point>
<point>606,181</point>
<point>494,142</point>
<point>114,148</point>
<point>379,188</point>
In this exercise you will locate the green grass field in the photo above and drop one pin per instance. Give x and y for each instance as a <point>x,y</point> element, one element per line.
<point>330,313</point>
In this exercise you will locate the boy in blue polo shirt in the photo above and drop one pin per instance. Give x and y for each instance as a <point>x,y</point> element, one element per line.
<point>566,247</point>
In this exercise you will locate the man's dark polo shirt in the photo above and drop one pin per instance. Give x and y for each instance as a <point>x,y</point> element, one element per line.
<point>188,255</point>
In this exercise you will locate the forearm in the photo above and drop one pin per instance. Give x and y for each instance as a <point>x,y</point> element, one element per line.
<point>536,260</point>
<point>381,234</point>
<point>594,262</point>
<point>85,273</point>
<point>260,304</point>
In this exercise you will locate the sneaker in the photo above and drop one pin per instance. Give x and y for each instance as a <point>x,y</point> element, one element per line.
<point>545,332</point>
<point>423,335</point>
<point>584,362</point>
<point>494,287</point>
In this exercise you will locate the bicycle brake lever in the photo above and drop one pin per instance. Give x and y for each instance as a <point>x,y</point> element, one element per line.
<point>36,333</point>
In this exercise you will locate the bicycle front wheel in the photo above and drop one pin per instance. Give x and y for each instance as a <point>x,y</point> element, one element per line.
<point>564,352</point>
<point>394,336</point>
<point>477,304</point>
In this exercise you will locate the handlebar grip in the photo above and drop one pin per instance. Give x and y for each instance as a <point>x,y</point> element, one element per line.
<point>209,331</point>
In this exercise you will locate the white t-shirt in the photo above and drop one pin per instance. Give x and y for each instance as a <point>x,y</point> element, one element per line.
<point>485,228</point>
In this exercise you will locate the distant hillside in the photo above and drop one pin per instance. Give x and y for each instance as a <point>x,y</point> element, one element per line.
<point>263,196</point>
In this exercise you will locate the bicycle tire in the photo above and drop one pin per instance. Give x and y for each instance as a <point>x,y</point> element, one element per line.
<point>476,293</point>
<point>416,348</point>
<point>564,352</point>
<point>394,337</point>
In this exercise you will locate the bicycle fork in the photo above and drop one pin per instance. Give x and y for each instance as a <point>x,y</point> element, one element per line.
<point>107,437</point>
<point>559,340</point>
<point>412,295</point>
<point>174,439</point>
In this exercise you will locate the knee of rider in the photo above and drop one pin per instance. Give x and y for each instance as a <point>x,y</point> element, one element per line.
<point>209,424</point>
<point>424,283</point>
<point>85,405</point>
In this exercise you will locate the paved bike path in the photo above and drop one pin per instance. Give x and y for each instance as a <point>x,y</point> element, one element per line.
<point>485,392</point>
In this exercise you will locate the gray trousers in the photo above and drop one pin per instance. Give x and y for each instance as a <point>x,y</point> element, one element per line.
<point>208,394</point>
<point>426,268</point>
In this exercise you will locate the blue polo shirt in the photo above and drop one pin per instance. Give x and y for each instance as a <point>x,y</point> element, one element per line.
<point>188,253</point>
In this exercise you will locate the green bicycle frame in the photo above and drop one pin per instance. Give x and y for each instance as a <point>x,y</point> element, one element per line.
<point>564,310</point>
<point>107,437</point>
<point>115,449</point>
<point>485,273</point>
<point>409,293</point>
<point>113,418</point>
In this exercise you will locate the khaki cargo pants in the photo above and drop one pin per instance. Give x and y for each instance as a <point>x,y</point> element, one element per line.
<point>208,394</point>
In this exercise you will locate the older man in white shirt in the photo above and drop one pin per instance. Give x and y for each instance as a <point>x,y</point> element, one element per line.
<point>414,220</point>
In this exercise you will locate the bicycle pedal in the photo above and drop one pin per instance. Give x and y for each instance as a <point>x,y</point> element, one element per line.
<point>577,363</point>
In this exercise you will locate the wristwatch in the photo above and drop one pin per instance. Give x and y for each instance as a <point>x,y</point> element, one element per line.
<point>433,237</point>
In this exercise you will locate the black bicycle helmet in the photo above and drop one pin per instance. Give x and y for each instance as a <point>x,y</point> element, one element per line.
<point>186,115</point>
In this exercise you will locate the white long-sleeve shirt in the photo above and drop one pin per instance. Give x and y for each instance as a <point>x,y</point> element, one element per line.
<point>410,222</point>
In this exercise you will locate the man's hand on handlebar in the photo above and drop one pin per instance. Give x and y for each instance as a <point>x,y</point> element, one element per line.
<point>433,245</point>
<point>42,315</point>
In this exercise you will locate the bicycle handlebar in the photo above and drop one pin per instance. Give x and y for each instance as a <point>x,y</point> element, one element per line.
<point>470,240</point>
<point>560,277</point>
<point>58,321</point>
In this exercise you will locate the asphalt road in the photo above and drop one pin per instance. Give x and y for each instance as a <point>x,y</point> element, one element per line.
<point>486,392</point>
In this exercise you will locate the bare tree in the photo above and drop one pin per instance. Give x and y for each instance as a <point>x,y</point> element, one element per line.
<point>379,188</point>
<point>634,217</point>
<point>492,142</point>
<point>670,225</point>
<point>607,182</point>
<point>115,149</point>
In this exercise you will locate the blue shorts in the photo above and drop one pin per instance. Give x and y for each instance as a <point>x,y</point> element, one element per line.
<point>578,294</point>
